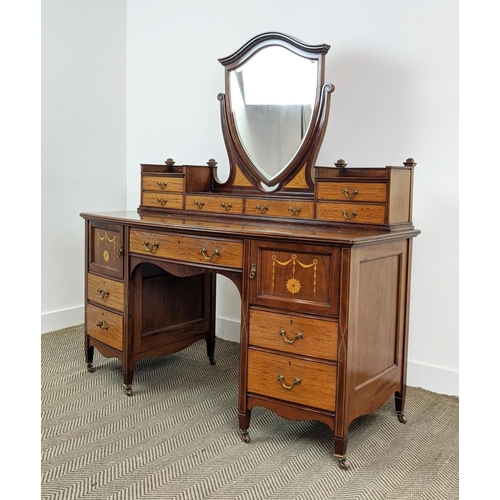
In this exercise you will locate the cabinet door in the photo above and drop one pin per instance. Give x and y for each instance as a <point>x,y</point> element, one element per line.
<point>295,277</point>
<point>105,249</point>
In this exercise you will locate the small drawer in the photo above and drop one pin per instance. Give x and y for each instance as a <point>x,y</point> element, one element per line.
<point>279,208</point>
<point>162,200</point>
<point>163,183</point>
<point>294,334</point>
<point>219,204</point>
<point>105,326</point>
<point>105,291</point>
<point>352,191</point>
<point>287,378</point>
<point>206,251</point>
<point>361,213</point>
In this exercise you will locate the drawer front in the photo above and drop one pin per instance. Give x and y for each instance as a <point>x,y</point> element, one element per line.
<point>294,334</point>
<point>105,326</point>
<point>206,251</point>
<point>290,379</point>
<point>105,250</point>
<point>163,200</point>
<point>214,204</point>
<point>295,277</point>
<point>351,212</point>
<point>105,291</point>
<point>352,191</point>
<point>279,208</point>
<point>163,183</point>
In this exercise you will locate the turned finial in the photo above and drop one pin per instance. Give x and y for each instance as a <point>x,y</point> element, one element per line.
<point>170,162</point>
<point>211,162</point>
<point>341,163</point>
<point>410,162</point>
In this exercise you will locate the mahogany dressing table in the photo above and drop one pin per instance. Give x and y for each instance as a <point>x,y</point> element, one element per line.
<point>320,255</point>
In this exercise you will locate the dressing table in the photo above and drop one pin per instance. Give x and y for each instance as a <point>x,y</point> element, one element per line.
<point>321,255</point>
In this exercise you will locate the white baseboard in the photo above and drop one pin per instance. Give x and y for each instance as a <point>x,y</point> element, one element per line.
<point>57,320</point>
<point>431,378</point>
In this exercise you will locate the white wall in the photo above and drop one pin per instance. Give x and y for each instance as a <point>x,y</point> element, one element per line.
<point>83,134</point>
<point>395,68</point>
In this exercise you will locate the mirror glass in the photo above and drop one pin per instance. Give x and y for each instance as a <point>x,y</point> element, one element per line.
<point>272,98</point>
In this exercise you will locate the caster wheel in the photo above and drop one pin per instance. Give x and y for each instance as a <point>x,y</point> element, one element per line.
<point>128,390</point>
<point>402,418</point>
<point>245,437</point>
<point>212,361</point>
<point>343,463</point>
<point>90,368</point>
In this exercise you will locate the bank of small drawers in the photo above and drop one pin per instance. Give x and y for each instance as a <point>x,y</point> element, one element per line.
<point>281,346</point>
<point>358,202</point>
<point>162,191</point>
<point>206,251</point>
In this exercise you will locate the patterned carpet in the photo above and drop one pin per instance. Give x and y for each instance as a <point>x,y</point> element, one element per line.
<point>177,437</point>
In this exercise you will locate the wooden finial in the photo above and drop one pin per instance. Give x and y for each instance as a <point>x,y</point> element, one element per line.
<point>410,162</point>
<point>170,162</point>
<point>211,162</point>
<point>341,163</point>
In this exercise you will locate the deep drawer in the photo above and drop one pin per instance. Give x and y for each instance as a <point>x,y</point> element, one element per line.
<point>205,251</point>
<point>105,291</point>
<point>284,377</point>
<point>294,334</point>
<point>105,326</point>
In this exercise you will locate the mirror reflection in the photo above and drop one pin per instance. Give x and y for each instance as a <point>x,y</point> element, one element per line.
<point>273,94</point>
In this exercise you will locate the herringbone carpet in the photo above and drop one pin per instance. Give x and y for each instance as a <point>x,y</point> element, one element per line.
<point>177,437</point>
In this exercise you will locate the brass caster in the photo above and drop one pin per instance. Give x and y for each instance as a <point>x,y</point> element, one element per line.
<point>245,437</point>
<point>401,417</point>
<point>128,390</point>
<point>90,368</point>
<point>212,361</point>
<point>343,463</point>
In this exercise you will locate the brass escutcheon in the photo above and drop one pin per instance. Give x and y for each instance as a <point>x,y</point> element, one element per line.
<point>253,271</point>
<point>281,378</point>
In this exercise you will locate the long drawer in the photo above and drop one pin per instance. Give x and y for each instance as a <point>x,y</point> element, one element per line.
<point>294,334</point>
<point>105,326</point>
<point>290,379</point>
<point>207,251</point>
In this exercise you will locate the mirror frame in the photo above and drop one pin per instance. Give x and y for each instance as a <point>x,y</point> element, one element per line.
<point>297,175</point>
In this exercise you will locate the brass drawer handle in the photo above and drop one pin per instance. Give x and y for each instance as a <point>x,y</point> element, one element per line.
<point>199,204</point>
<point>161,185</point>
<point>298,336</point>
<point>162,202</point>
<point>103,325</point>
<point>102,293</point>
<point>349,195</point>
<point>204,253</point>
<point>294,212</point>
<point>226,207</point>
<point>262,210</point>
<point>281,378</point>
<point>151,248</point>
<point>351,216</point>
